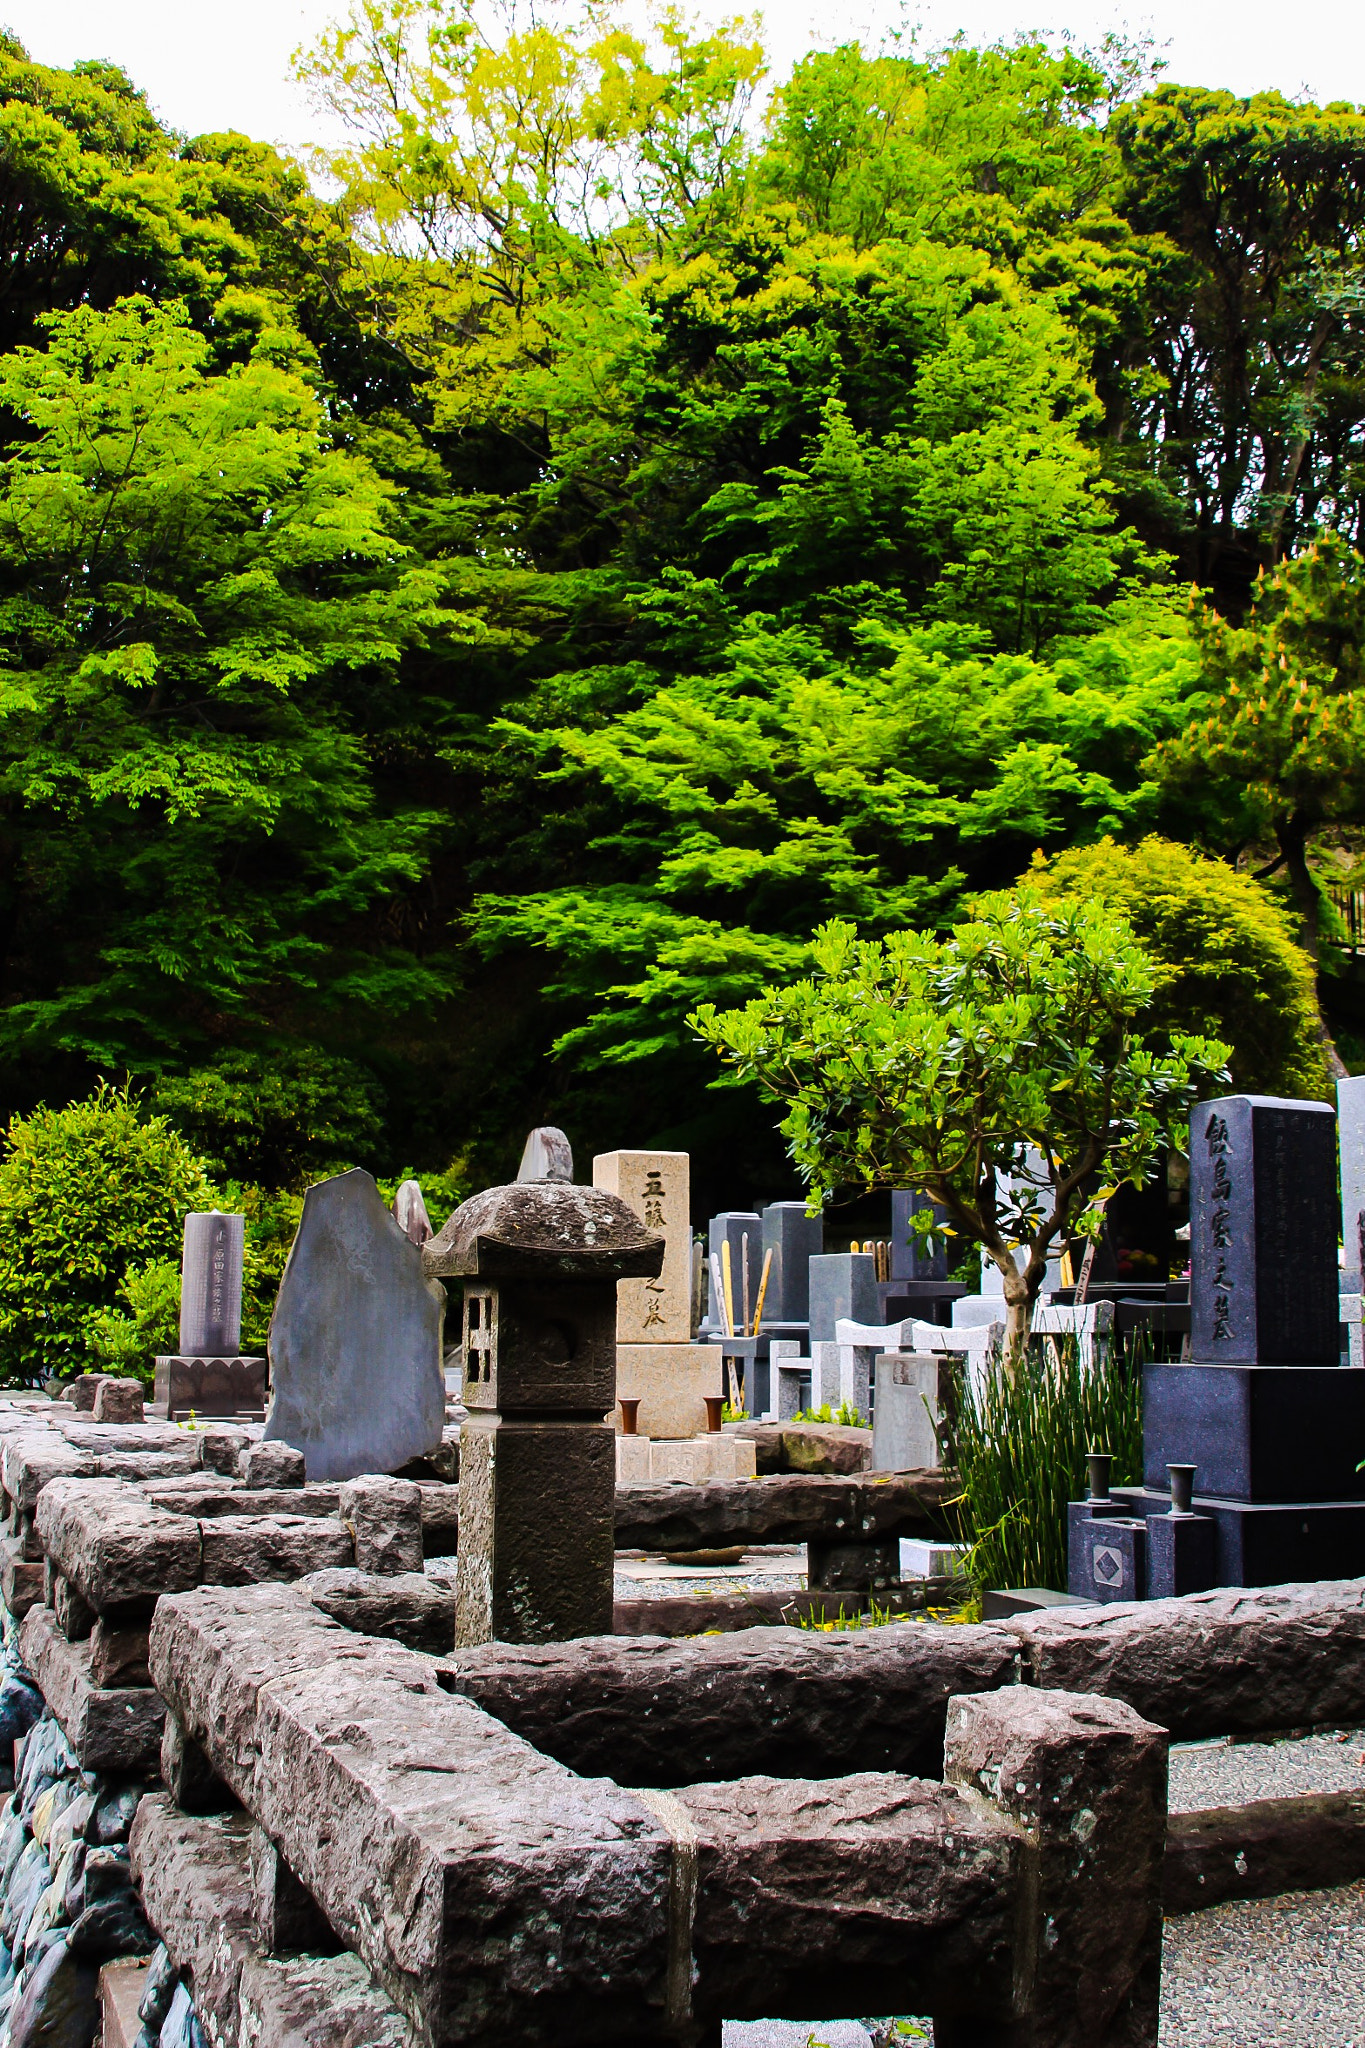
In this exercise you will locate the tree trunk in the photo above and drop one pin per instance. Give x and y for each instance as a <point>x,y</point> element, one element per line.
<point>1292,837</point>
<point>1018,1318</point>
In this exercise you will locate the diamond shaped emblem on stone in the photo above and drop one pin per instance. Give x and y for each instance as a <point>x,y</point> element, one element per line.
<point>1107,1565</point>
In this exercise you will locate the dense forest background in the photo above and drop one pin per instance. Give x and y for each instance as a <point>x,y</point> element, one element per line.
<point>460,611</point>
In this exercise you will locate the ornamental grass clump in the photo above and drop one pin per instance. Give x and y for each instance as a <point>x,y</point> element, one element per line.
<point>1019,1442</point>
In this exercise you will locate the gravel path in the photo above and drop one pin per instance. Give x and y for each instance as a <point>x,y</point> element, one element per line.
<point>1267,1973</point>
<point>1233,1773</point>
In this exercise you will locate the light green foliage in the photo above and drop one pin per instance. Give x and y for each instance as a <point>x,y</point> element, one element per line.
<point>1225,963</point>
<point>1011,1047</point>
<point>1018,1438</point>
<point>88,1195</point>
<point>846,1415</point>
<point>128,1343</point>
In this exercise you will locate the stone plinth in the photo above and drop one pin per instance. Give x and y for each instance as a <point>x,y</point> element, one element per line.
<point>671,1382</point>
<point>355,1340</point>
<point>657,1186</point>
<point>210,1386</point>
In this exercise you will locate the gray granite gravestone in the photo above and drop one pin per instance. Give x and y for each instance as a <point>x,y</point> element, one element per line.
<point>211,1285</point>
<point>355,1340</point>
<point>843,1287</point>
<point>794,1238</point>
<point>1351,1138</point>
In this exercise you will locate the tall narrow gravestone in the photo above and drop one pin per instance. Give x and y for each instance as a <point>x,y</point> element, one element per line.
<point>1266,1418</point>
<point>209,1375</point>
<point>539,1264</point>
<point>355,1340</point>
<point>656,1361</point>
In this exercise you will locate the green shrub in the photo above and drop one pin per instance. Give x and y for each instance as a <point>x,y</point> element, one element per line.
<point>88,1195</point>
<point>279,1117</point>
<point>129,1344</point>
<point>1019,1444</point>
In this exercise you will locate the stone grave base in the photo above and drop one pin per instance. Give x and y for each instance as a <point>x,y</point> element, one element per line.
<point>641,1461</point>
<point>670,1381</point>
<point>210,1386</point>
<point>1271,1543</point>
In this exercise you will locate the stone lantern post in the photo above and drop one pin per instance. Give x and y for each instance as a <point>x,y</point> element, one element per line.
<point>539,1262</point>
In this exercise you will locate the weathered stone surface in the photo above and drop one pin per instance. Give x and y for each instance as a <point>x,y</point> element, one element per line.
<point>818,1447</point>
<point>59,2005</point>
<point>1185,1663</point>
<point>384,1517</point>
<point>220,1385</point>
<point>137,1465</point>
<point>647,1711</point>
<point>114,1544</point>
<point>120,1989</point>
<point>221,1446</point>
<point>271,1464</point>
<point>153,1438</point>
<point>114,1729</point>
<point>686,1614</point>
<point>206,1499</point>
<point>75,1616</point>
<point>544,1230</point>
<point>21,1583</point>
<point>355,1340</point>
<point>408,1608</point>
<point>536,1551</point>
<point>32,1458</point>
<point>807,1888</point>
<point>118,1656</point>
<point>289,1920</point>
<point>656,1185</point>
<point>784,1508</point>
<point>1085,1781</point>
<point>247,1550</point>
<point>118,1401</point>
<point>81,1391</point>
<point>188,1775</point>
<point>447,1852</point>
<point>194,1876</point>
<point>211,1283</point>
<point>316,2002</point>
<point>1264,1849</point>
<point>440,1519</point>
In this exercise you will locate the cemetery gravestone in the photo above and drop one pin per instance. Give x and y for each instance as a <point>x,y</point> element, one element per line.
<point>656,1361</point>
<point>355,1340</point>
<point>539,1264</point>
<point>908,1410</point>
<point>1264,1413</point>
<point>209,1375</point>
<point>546,1155</point>
<point>410,1213</point>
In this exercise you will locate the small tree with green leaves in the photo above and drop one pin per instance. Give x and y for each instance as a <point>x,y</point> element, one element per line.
<point>998,1069</point>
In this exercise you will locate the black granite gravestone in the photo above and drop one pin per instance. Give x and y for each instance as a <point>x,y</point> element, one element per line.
<point>1265,1414</point>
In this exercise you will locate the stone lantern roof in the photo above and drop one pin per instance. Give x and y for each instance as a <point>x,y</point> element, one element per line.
<point>544,1230</point>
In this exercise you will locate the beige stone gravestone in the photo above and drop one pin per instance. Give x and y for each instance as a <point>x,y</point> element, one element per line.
<point>656,1361</point>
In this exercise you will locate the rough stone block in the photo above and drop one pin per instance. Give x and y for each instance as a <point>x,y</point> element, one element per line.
<point>21,1583</point>
<point>649,1711</point>
<point>317,2002</point>
<point>1263,1849</point>
<point>289,1920</point>
<point>853,1567</point>
<point>113,1729</point>
<point>1085,1781</point>
<point>446,1851</point>
<point>1185,1663</point>
<point>118,1401</point>
<point>221,1446</point>
<point>194,1877</point>
<point>31,1459</point>
<point>536,1552</point>
<point>204,1498</point>
<point>787,1868</point>
<point>271,1464</point>
<point>118,1656</point>
<point>121,1987</point>
<point>188,1775</point>
<point>408,1608</point>
<point>81,1391</point>
<point>114,1544</point>
<point>247,1550</point>
<point>784,1508</point>
<point>75,1616</point>
<point>440,1518</point>
<point>384,1517</point>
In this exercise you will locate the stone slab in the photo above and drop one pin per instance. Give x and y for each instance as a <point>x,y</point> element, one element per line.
<point>408,1608</point>
<point>316,2002</point>
<point>783,1701</point>
<point>445,1850</point>
<point>794,1238</point>
<point>249,1550</point>
<point>1224,1663</point>
<point>788,1868</point>
<point>355,1339</point>
<point>121,1987</point>
<point>827,1448</point>
<point>207,1497</point>
<point>670,1381</point>
<point>657,1186</point>
<point>1257,1432</point>
<point>194,1876</point>
<point>110,1729</point>
<point>909,1405</point>
<point>224,1385</point>
<point>114,1544</point>
<point>1263,1849</point>
<point>682,1614</point>
<point>783,1508</point>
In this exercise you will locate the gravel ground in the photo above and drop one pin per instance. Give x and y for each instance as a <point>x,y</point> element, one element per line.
<point>1233,1773</point>
<point>1267,1973</point>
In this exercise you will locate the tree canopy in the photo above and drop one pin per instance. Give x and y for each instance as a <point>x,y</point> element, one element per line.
<point>644,509</point>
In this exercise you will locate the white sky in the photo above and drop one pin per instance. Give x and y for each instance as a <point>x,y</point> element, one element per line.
<point>227,66</point>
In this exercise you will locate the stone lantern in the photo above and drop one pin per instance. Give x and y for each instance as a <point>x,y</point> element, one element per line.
<point>539,1262</point>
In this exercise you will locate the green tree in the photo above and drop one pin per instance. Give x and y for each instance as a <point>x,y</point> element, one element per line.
<point>90,1197</point>
<point>1225,963</point>
<point>1002,1069</point>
